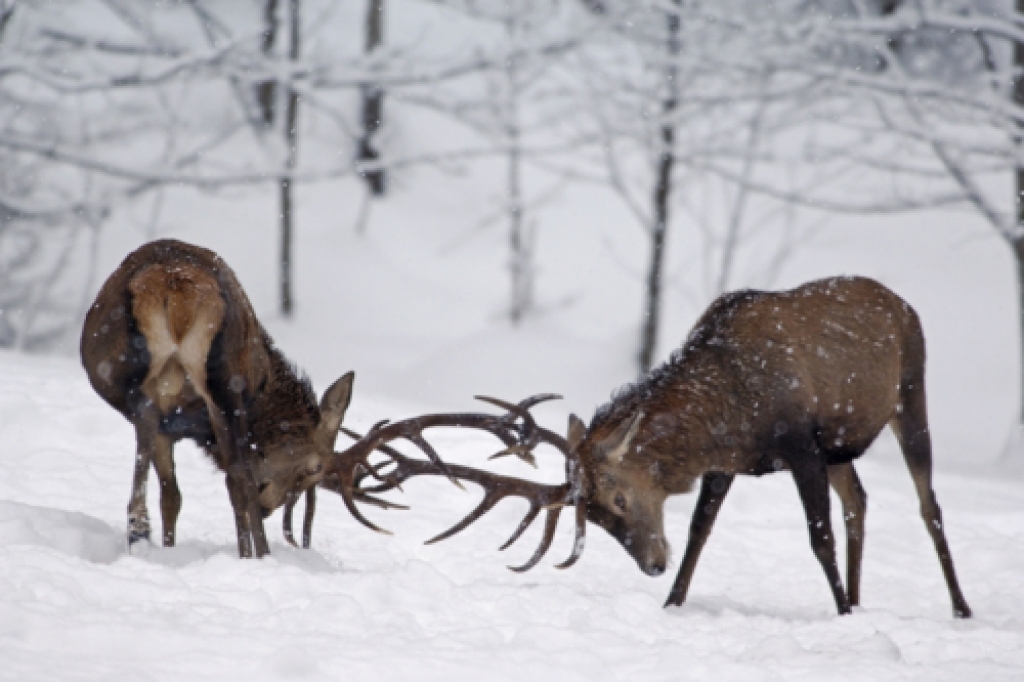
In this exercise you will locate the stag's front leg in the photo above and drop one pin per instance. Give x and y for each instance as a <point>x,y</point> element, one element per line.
<point>238,492</point>
<point>713,489</point>
<point>248,457</point>
<point>811,478</point>
<point>244,494</point>
<point>238,460</point>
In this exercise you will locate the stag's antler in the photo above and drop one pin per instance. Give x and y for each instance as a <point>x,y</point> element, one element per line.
<point>348,468</point>
<point>519,426</point>
<point>334,485</point>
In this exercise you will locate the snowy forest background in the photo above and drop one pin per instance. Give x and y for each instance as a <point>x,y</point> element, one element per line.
<point>452,194</point>
<point>507,197</point>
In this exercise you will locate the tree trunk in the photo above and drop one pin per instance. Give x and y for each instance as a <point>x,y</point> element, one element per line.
<point>519,290</point>
<point>6,12</point>
<point>1018,243</point>
<point>519,247</point>
<point>373,101</point>
<point>662,199</point>
<point>1018,257</point>
<point>291,140</point>
<point>266,91</point>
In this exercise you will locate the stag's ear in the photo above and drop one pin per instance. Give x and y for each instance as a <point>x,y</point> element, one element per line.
<point>577,429</point>
<point>616,445</point>
<point>332,408</point>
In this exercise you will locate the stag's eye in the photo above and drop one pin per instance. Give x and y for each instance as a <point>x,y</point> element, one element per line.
<point>620,501</point>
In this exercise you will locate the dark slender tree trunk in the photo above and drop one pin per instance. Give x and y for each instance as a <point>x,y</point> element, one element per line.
<point>373,101</point>
<point>266,91</point>
<point>662,200</point>
<point>520,246</point>
<point>6,12</point>
<point>291,152</point>
<point>1018,243</point>
<point>1018,257</point>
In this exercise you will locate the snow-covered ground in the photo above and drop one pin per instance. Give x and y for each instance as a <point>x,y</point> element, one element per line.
<point>74,605</point>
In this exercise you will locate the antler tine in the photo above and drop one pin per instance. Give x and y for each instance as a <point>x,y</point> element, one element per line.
<point>307,517</point>
<point>420,442</point>
<point>350,495</point>
<point>580,538</point>
<point>527,403</point>
<point>511,408</point>
<point>528,435</point>
<point>307,520</point>
<point>523,525</point>
<point>550,523</point>
<point>367,469</point>
<point>348,498</point>
<point>361,496</point>
<point>520,451</point>
<point>490,499</point>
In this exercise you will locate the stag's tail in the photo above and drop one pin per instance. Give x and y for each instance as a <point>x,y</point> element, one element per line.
<point>179,310</point>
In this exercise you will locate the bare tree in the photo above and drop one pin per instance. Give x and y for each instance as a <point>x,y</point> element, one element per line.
<point>178,95</point>
<point>266,91</point>
<point>513,104</point>
<point>372,102</point>
<point>662,192</point>
<point>662,107</point>
<point>291,157</point>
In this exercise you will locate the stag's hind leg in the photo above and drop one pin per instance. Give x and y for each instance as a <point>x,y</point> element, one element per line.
<point>170,495</point>
<point>138,514</point>
<point>911,428</point>
<point>146,437</point>
<point>843,479</point>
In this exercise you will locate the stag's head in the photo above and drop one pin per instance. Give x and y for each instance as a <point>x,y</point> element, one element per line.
<point>297,451</point>
<point>621,489</point>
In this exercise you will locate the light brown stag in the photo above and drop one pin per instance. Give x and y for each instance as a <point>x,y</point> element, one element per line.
<point>172,343</point>
<point>801,380</point>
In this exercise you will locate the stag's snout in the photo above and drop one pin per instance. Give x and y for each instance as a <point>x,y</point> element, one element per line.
<point>654,564</point>
<point>655,569</point>
<point>651,554</point>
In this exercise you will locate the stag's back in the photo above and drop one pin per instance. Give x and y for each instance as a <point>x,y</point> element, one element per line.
<point>835,356</point>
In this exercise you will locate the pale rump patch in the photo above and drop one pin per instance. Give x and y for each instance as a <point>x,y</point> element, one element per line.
<point>179,310</point>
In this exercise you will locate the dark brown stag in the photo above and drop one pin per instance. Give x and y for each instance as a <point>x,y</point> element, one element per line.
<point>172,343</point>
<point>802,380</point>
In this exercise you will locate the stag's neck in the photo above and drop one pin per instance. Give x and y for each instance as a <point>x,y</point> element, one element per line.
<point>685,433</point>
<point>286,405</point>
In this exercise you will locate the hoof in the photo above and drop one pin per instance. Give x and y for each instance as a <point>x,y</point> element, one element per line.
<point>136,535</point>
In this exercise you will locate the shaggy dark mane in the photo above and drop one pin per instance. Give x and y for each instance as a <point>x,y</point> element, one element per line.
<point>706,332</point>
<point>289,394</point>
